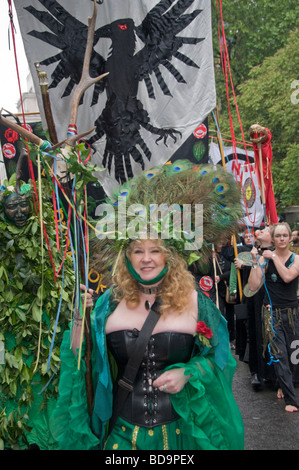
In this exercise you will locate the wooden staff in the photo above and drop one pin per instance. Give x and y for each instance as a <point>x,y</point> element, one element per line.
<point>85,82</point>
<point>215,274</point>
<point>28,135</point>
<point>234,236</point>
<point>43,83</point>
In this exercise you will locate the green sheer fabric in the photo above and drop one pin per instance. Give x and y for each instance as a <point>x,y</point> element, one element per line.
<point>70,421</point>
<point>210,418</point>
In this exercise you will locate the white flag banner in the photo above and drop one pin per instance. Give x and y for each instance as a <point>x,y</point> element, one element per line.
<point>244,171</point>
<point>160,85</point>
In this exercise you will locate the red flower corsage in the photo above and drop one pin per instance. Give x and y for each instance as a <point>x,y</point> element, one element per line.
<point>204,333</point>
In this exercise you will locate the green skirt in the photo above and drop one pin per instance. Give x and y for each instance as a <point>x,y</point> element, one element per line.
<point>126,436</point>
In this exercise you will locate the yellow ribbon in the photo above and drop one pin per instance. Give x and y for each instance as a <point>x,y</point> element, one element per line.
<point>85,297</point>
<point>42,260</point>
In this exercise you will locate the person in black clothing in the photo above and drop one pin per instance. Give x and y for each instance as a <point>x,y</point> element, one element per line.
<point>241,326</point>
<point>259,363</point>
<point>223,267</point>
<point>294,246</point>
<point>211,279</point>
<point>280,308</point>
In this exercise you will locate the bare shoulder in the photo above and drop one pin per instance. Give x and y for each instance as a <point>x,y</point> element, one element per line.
<point>193,297</point>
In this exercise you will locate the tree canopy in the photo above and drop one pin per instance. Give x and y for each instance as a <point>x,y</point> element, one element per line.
<point>263,42</point>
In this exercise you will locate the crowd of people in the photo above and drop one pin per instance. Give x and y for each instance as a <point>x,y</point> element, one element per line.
<point>164,338</point>
<point>153,413</point>
<point>265,331</point>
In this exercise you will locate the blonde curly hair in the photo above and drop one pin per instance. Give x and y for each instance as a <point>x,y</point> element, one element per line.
<point>177,286</point>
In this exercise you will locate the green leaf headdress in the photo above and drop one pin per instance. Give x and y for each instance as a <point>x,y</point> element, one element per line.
<point>10,187</point>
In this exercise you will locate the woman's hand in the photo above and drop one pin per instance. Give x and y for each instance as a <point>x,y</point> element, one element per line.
<point>238,263</point>
<point>89,299</point>
<point>171,381</point>
<point>268,254</point>
<point>254,254</point>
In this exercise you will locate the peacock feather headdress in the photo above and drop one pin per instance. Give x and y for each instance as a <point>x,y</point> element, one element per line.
<point>190,207</point>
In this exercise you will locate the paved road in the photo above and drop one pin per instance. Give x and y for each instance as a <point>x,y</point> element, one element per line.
<point>267,425</point>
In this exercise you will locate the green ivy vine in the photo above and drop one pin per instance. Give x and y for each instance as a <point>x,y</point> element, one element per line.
<point>27,291</point>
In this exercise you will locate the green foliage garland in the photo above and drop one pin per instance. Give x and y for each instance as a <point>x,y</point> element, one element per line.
<point>25,285</point>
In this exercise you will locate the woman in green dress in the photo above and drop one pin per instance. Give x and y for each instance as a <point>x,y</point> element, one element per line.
<point>181,398</point>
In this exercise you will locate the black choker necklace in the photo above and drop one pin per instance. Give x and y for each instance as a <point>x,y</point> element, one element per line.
<point>149,290</point>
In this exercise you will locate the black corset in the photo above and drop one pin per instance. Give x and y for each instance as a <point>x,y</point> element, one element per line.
<point>146,406</point>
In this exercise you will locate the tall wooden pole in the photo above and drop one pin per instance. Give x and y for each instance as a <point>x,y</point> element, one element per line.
<point>234,237</point>
<point>43,83</point>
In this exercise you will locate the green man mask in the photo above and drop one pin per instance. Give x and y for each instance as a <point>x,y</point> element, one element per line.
<point>17,209</point>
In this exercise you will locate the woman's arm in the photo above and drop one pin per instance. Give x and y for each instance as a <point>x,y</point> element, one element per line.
<point>286,274</point>
<point>256,273</point>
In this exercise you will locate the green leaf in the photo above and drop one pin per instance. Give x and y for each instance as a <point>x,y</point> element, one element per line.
<point>79,184</point>
<point>192,258</point>
<point>9,296</point>
<point>34,227</point>
<point>26,374</point>
<point>65,296</point>
<point>11,360</point>
<point>9,244</point>
<point>36,313</point>
<point>21,315</point>
<point>13,388</point>
<point>19,284</point>
<point>44,368</point>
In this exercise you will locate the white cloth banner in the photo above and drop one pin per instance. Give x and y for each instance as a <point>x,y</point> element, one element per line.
<point>160,85</point>
<point>244,172</point>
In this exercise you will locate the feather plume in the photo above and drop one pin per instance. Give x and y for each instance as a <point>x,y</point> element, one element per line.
<point>172,185</point>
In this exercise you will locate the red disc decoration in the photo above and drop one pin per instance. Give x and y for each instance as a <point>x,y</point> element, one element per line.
<point>200,132</point>
<point>206,283</point>
<point>9,150</point>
